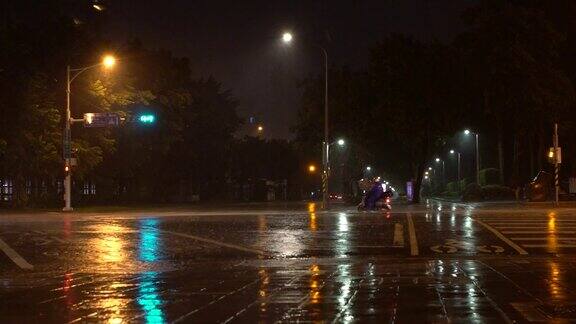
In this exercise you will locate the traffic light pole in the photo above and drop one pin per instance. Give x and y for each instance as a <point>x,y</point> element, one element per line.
<point>556,166</point>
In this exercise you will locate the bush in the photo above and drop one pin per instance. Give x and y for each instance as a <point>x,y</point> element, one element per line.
<point>490,176</point>
<point>497,192</point>
<point>473,192</point>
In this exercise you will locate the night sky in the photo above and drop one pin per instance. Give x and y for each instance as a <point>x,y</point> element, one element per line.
<point>237,42</point>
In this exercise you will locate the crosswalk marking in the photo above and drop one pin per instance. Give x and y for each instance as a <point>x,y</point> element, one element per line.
<point>548,246</point>
<point>543,238</point>
<point>533,227</point>
<point>14,256</point>
<point>502,237</point>
<point>543,231</point>
<point>536,231</point>
<point>398,235</point>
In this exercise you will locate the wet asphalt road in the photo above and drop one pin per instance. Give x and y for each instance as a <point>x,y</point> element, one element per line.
<point>436,263</point>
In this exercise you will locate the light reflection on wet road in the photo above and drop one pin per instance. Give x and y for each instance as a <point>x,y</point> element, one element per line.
<point>443,263</point>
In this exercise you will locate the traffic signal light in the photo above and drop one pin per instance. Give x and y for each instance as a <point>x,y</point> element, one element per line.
<point>147,119</point>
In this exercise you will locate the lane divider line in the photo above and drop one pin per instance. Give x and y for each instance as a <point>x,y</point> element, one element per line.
<point>412,235</point>
<point>398,235</point>
<point>502,237</point>
<point>14,256</point>
<point>228,245</point>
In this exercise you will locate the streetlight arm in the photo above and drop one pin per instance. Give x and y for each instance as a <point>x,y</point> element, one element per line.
<point>81,70</point>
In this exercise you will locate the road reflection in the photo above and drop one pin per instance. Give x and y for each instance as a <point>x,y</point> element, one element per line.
<point>263,292</point>
<point>149,299</point>
<point>343,242</point>
<point>148,251</point>
<point>551,238</point>
<point>312,212</point>
<point>555,287</point>
<point>314,284</point>
<point>109,245</point>
<point>344,309</point>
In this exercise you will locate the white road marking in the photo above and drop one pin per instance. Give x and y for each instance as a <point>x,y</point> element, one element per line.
<point>14,256</point>
<point>534,227</point>
<point>501,237</point>
<point>398,235</point>
<point>549,246</point>
<point>207,240</point>
<point>527,221</point>
<point>412,235</point>
<point>543,238</point>
<point>543,231</point>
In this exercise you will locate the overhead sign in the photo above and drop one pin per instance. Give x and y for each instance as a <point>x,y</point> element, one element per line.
<point>108,119</point>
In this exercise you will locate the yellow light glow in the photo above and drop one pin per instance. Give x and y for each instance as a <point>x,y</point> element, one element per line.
<point>552,239</point>
<point>312,168</point>
<point>311,207</point>
<point>108,61</point>
<point>260,128</point>
<point>551,154</point>
<point>98,7</point>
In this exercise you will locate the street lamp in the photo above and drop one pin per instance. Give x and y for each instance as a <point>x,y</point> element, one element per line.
<point>287,39</point>
<point>438,160</point>
<point>107,62</point>
<point>368,168</point>
<point>311,168</point>
<point>468,132</point>
<point>341,142</point>
<point>459,158</point>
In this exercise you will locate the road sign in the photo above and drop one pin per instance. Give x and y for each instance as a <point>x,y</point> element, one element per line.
<point>147,119</point>
<point>108,119</point>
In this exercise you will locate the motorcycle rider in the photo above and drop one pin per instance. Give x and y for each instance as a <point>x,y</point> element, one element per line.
<point>373,195</point>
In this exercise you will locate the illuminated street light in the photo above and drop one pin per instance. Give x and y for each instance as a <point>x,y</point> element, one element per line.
<point>287,37</point>
<point>311,168</point>
<point>459,158</point>
<point>341,142</point>
<point>109,61</point>
<point>98,7</point>
<point>429,168</point>
<point>438,160</point>
<point>260,128</point>
<point>468,132</point>
<point>368,168</point>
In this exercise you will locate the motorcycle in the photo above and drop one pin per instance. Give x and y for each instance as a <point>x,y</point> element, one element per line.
<point>384,203</point>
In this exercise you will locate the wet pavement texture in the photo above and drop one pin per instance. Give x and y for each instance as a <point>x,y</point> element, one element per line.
<point>435,263</point>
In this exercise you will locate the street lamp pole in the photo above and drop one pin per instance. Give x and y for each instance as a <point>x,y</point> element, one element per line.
<point>108,62</point>
<point>477,160</point>
<point>477,149</point>
<point>287,38</point>
<point>67,148</point>
<point>326,149</point>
